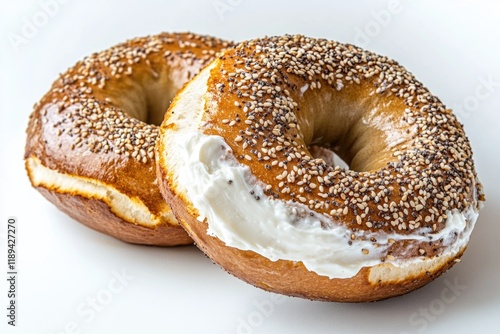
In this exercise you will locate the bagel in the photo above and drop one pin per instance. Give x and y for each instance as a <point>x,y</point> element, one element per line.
<point>234,165</point>
<point>90,140</point>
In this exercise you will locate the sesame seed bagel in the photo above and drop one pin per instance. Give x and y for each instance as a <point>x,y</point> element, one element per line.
<point>90,140</point>
<point>233,161</point>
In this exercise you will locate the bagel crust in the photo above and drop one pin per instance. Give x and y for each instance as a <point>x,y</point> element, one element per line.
<point>233,162</point>
<point>90,139</point>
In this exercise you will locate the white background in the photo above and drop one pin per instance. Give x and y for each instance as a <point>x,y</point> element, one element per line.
<point>451,46</point>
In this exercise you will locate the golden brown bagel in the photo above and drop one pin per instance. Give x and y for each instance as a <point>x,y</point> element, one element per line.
<point>233,163</point>
<point>90,139</point>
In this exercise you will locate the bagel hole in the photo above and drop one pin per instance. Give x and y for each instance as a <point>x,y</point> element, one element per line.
<point>151,97</point>
<point>158,99</point>
<point>328,155</point>
<point>148,104</point>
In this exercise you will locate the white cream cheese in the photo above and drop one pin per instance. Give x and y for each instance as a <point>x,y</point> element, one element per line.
<point>237,211</point>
